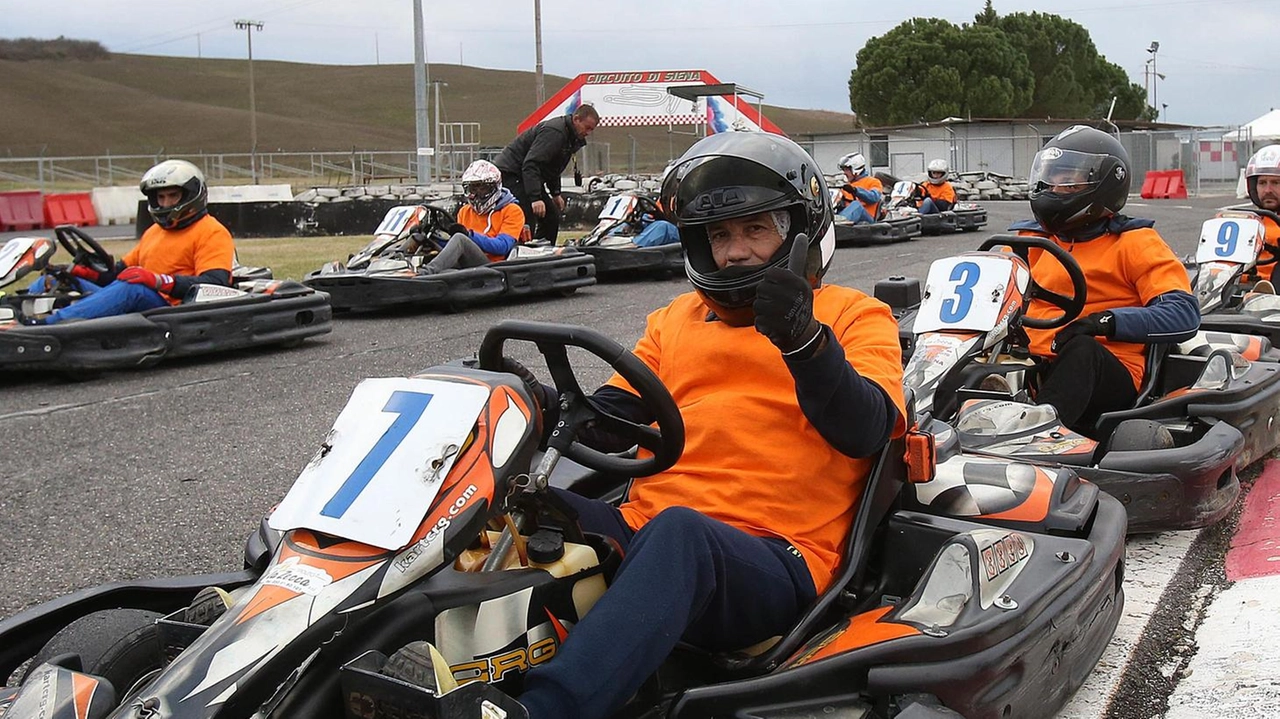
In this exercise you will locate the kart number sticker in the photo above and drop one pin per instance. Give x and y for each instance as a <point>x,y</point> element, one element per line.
<point>964,293</point>
<point>902,188</point>
<point>397,220</point>
<point>1231,239</point>
<point>384,461</point>
<point>618,207</point>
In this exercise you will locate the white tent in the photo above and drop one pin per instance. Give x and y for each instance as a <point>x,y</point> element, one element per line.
<point>1263,129</point>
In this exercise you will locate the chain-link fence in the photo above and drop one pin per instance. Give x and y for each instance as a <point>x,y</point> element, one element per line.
<point>1211,158</point>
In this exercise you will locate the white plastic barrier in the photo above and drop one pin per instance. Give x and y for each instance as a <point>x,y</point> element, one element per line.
<point>250,193</point>
<point>116,205</point>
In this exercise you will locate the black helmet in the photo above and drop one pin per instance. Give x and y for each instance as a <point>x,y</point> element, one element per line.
<point>739,174</point>
<point>1095,163</point>
<point>184,176</point>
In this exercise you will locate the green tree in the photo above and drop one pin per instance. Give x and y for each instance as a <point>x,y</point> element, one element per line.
<point>1071,78</point>
<point>927,69</point>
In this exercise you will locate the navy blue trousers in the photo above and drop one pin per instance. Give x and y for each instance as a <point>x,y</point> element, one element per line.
<point>685,577</point>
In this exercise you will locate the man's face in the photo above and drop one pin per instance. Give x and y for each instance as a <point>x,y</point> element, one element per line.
<point>744,240</point>
<point>848,174</point>
<point>168,197</point>
<point>1067,181</point>
<point>1269,192</point>
<point>585,126</point>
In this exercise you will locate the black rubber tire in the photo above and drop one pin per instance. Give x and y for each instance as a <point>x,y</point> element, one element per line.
<point>119,645</point>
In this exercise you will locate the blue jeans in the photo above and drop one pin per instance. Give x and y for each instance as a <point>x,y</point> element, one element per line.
<point>117,298</point>
<point>41,286</point>
<point>928,208</point>
<point>685,577</point>
<point>856,212</point>
<point>657,233</point>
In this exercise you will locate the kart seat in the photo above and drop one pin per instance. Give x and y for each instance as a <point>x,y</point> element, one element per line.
<point>846,590</point>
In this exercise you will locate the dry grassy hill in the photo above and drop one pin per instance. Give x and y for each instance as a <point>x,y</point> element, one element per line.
<point>138,104</point>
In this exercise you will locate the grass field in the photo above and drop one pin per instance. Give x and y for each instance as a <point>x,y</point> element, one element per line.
<point>288,257</point>
<point>143,105</point>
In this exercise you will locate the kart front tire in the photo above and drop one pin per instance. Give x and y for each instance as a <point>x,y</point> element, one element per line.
<point>119,645</point>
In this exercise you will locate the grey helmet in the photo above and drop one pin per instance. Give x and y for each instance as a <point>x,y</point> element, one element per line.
<point>738,174</point>
<point>195,193</point>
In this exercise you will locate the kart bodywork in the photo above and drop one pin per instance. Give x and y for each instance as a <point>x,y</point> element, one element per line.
<point>1223,275</point>
<point>892,225</point>
<point>941,607</point>
<point>1219,407</point>
<point>962,217</point>
<point>211,319</point>
<point>610,243</point>
<point>387,274</point>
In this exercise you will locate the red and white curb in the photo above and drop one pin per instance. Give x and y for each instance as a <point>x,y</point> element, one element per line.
<point>1234,670</point>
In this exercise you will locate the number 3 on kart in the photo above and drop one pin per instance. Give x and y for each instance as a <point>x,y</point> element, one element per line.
<point>954,309</point>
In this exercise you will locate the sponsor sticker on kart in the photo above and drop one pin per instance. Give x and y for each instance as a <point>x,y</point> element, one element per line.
<point>298,578</point>
<point>966,292</point>
<point>384,461</point>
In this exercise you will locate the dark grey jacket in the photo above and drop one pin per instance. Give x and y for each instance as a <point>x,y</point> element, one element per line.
<point>539,155</point>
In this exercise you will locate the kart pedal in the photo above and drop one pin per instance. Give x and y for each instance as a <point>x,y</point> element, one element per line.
<point>208,604</point>
<point>421,664</point>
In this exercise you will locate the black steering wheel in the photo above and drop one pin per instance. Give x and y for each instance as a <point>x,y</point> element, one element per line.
<point>84,250</point>
<point>1071,305</point>
<point>666,442</point>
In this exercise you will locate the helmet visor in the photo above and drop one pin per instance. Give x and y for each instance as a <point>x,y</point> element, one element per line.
<point>478,190</point>
<point>1065,172</point>
<point>937,174</point>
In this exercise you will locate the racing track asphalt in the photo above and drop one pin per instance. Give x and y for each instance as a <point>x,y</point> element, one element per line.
<point>167,470</point>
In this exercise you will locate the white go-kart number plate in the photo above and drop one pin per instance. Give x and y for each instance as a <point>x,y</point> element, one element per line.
<point>618,207</point>
<point>377,479</point>
<point>964,293</point>
<point>397,220</point>
<point>1229,239</point>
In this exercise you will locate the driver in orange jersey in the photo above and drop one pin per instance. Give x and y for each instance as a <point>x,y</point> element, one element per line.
<point>1138,292</point>
<point>186,246</point>
<point>1262,177</point>
<point>936,194</point>
<point>788,388</point>
<point>861,195</point>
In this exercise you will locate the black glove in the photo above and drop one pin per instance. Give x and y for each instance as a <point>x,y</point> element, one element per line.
<point>784,310</point>
<point>458,228</point>
<point>1098,324</point>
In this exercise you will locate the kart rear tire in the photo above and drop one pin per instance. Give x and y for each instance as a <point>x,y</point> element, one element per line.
<point>120,645</point>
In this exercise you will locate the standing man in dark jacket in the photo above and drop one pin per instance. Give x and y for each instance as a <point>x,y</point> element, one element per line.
<point>532,164</point>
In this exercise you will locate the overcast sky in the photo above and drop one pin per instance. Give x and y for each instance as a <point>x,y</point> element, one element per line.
<point>1216,55</point>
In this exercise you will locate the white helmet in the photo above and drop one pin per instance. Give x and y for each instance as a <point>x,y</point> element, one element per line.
<point>482,184</point>
<point>184,176</point>
<point>937,171</point>
<point>855,163</point>
<point>1264,162</point>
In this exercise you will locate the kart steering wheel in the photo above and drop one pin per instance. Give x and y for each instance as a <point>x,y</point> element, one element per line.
<point>1071,305</point>
<point>666,442</point>
<point>1272,249</point>
<point>84,250</point>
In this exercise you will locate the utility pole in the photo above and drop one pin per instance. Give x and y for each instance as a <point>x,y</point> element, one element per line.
<point>537,44</point>
<point>420,95</point>
<point>435,116</point>
<point>1153,95</point>
<point>249,26</point>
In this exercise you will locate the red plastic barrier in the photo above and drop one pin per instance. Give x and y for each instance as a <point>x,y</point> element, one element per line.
<point>69,208</point>
<point>20,210</point>
<point>1164,185</point>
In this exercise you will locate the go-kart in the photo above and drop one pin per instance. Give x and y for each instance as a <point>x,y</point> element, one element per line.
<point>425,516</point>
<point>211,318</point>
<point>389,272</point>
<point>1218,407</point>
<point>623,217</point>
<point>962,217</point>
<point>890,226</point>
<point>1222,273</point>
